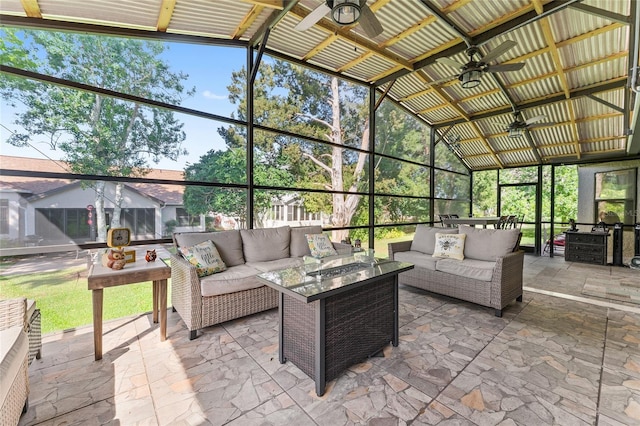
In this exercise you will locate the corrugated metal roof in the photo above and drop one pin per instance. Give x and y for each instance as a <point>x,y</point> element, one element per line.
<point>575,50</point>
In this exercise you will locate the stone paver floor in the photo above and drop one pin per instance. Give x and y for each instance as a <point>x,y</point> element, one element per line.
<point>549,360</point>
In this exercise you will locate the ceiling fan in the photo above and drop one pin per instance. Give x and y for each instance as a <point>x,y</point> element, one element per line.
<point>470,72</point>
<point>344,12</point>
<point>516,128</point>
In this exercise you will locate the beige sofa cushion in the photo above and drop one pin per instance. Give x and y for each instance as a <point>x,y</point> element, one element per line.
<point>261,245</point>
<point>480,270</point>
<point>14,349</point>
<point>488,244</point>
<point>273,265</point>
<point>419,259</point>
<point>424,239</point>
<point>236,278</point>
<point>228,243</point>
<point>299,246</point>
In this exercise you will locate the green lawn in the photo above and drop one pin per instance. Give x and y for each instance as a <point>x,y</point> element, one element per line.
<point>65,302</point>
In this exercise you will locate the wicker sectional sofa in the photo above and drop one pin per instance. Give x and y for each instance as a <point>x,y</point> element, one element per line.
<point>490,273</point>
<point>235,292</point>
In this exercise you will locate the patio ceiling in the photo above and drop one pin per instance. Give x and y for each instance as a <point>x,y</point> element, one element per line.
<point>578,74</point>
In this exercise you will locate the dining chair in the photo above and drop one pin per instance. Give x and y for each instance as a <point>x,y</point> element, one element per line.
<point>442,217</point>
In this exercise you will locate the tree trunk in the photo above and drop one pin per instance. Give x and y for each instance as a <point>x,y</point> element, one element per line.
<point>117,207</point>
<point>338,218</point>
<point>101,219</point>
<point>344,206</point>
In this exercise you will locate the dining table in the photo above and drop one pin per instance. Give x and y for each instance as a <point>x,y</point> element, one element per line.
<point>472,221</point>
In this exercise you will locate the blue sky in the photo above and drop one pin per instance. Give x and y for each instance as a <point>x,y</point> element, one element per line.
<point>209,69</point>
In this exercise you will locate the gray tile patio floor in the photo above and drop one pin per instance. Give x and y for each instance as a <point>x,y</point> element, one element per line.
<point>549,360</point>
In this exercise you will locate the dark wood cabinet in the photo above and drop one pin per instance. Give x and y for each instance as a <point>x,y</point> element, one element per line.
<point>587,247</point>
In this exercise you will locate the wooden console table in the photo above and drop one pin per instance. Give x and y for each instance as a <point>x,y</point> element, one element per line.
<point>586,247</point>
<point>101,277</point>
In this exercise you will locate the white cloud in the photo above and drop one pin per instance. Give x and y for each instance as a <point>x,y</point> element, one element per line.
<point>210,95</point>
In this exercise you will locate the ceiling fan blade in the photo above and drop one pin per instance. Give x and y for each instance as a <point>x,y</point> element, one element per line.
<point>441,80</point>
<point>450,62</point>
<point>535,119</point>
<point>312,17</point>
<point>535,125</point>
<point>498,51</point>
<point>370,24</point>
<point>504,67</point>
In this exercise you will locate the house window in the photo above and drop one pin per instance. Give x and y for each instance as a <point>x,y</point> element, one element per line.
<point>4,216</point>
<point>615,196</point>
<point>142,222</point>
<point>278,212</point>
<point>185,219</point>
<point>60,225</point>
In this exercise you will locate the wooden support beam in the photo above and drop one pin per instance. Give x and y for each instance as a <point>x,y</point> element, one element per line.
<point>271,4</point>
<point>406,33</point>
<point>588,35</point>
<point>247,21</point>
<point>31,8</point>
<point>320,47</point>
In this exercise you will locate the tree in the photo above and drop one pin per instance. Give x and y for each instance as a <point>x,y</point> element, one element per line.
<point>315,105</point>
<point>97,134</point>
<point>307,103</point>
<point>228,167</point>
<point>403,136</point>
<point>485,193</point>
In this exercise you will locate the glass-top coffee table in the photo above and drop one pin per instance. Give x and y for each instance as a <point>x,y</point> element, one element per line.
<point>333,314</point>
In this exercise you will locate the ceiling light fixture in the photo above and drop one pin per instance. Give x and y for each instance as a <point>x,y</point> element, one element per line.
<point>516,132</point>
<point>344,12</point>
<point>470,78</point>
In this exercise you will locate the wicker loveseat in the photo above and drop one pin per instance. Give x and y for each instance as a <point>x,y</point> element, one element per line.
<point>490,273</point>
<point>235,292</point>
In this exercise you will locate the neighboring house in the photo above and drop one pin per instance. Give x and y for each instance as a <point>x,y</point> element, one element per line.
<point>289,211</point>
<point>61,211</point>
<point>36,210</point>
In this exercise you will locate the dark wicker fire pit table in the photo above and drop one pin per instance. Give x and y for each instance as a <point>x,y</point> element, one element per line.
<point>335,313</point>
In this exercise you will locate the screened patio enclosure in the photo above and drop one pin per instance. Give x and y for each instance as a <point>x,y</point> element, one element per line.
<point>367,136</point>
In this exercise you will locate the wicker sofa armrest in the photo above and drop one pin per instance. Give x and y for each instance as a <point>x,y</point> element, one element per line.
<point>13,312</point>
<point>186,294</point>
<point>507,281</point>
<point>398,247</point>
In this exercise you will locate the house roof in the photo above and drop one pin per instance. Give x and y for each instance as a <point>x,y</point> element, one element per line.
<point>35,186</point>
<point>575,88</point>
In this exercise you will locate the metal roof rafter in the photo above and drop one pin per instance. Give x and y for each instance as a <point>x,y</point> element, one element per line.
<point>523,20</point>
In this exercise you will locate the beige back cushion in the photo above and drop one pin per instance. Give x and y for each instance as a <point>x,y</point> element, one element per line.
<point>228,243</point>
<point>261,245</point>
<point>425,238</point>
<point>299,246</point>
<point>489,244</point>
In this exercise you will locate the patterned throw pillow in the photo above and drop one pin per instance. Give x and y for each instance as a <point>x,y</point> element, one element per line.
<point>449,246</point>
<point>320,245</point>
<point>204,257</point>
